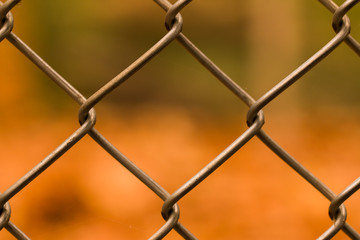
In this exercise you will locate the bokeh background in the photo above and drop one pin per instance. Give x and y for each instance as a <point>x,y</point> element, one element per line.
<point>172,117</point>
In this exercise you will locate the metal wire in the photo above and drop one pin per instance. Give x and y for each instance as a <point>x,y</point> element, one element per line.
<point>255,119</point>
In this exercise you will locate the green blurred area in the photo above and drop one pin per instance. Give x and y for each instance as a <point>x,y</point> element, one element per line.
<point>257,43</point>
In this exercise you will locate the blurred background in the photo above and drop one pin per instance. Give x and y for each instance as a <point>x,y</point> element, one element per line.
<point>173,117</point>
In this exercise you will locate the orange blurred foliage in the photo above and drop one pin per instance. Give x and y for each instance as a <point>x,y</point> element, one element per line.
<point>86,194</point>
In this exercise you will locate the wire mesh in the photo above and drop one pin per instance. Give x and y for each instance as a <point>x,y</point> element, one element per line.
<point>255,120</point>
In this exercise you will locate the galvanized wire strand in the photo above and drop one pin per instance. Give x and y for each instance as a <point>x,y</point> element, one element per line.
<point>49,160</point>
<point>58,79</point>
<point>173,219</point>
<point>6,7</point>
<point>339,222</point>
<point>206,171</point>
<point>294,164</point>
<point>306,174</point>
<point>141,175</point>
<point>46,68</point>
<point>129,71</point>
<point>94,133</point>
<point>15,231</point>
<point>255,119</point>
<point>6,25</point>
<point>5,32</point>
<point>174,10</point>
<point>213,165</point>
<point>337,211</point>
<point>5,215</point>
<point>96,97</point>
<point>79,99</point>
<point>288,81</point>
<point>333,8</point>
<point>353,44</point>
<point>249,101</point>
<point>340,12</point>
<point>300,71</point>
<point>207,63</point>
<point>342,197</point>
<point>337,21</point>
<point>229,83</point>
<point>5,222</point>
<point>215,70</point>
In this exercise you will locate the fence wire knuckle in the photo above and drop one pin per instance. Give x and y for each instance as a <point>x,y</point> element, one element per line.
<point>5,215</point>
<point>170,210</point>
<point>6,25</point>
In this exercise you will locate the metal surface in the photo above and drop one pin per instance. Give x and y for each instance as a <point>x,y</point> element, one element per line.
<point>255,119</point>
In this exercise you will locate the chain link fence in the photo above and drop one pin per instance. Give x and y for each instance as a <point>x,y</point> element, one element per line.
<point>255,120</point>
